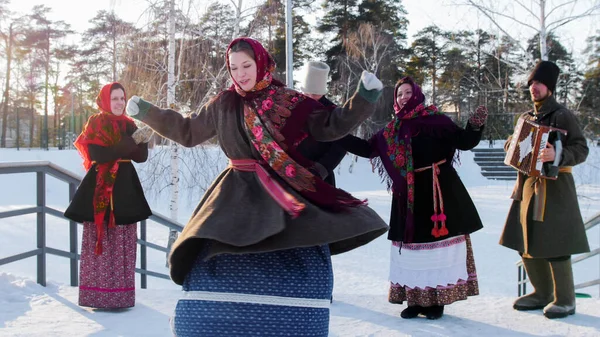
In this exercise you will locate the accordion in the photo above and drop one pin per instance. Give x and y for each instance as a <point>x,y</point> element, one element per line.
<point>528,139</point>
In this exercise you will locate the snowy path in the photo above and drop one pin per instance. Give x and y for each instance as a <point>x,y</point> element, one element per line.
<point>360,305</point>
<point>30,310</point>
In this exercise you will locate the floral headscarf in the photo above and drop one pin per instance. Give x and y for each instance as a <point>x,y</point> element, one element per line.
<point>268,108</point>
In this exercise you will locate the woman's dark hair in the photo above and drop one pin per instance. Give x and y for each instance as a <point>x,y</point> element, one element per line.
<point>242,46</point>
<point>116,86</point>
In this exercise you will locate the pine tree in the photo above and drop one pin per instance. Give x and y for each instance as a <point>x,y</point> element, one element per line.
<point>339,21</point>
<point>269,26</point>
<point>426,60</point>
<point>42,38</point>
<point>104,43</point>
<point>388,17</point>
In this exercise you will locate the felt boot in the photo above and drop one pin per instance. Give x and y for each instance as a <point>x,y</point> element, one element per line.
<point>540,276</point>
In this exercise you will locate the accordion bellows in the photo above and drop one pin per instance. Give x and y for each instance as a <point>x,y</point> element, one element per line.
<point>528,139</point>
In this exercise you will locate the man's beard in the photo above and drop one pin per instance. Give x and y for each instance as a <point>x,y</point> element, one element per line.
<point>540,99</point>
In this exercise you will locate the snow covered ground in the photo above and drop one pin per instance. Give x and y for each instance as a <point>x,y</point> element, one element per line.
<point>360,305</point>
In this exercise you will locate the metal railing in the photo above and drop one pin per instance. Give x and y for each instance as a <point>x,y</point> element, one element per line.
<point>522,274</point>
<point>43,168</point>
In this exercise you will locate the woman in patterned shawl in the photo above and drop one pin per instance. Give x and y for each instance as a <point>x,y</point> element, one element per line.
<point>431,261</point>
<point>109,201</point>
<point>256,253</point>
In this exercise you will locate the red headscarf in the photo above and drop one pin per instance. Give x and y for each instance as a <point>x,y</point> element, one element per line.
<point>268,109</point>
<point>265,66</point>
<point>103,129</point>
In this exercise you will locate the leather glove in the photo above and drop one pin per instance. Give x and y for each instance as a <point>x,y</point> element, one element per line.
<point>479,117</point>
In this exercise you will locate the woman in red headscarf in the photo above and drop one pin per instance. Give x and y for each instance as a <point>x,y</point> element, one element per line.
<point>109,201</point>
<point>431,261</point>
<point>256,254</point>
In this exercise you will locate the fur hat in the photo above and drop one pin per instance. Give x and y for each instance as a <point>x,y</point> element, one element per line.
<point>545,72</point>
<point>315,78</point>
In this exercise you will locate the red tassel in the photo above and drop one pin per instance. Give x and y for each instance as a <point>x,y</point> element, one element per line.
<point>443,231</point>
<point>435,231</point>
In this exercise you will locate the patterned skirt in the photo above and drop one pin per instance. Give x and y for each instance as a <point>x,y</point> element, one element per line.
<point>437,273</point>
<point>281,293</point>
<point>108,280</point>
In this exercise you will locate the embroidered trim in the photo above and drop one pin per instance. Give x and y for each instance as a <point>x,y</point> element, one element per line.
<point>451,286</point>
<point>106,290</point>
<point>431,245</point>
<point>255,299</point>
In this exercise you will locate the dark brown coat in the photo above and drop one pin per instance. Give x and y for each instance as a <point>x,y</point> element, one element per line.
<point>562,232</point>
<point>236,215</point>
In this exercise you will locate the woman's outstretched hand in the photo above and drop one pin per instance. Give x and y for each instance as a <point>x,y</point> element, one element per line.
<point>132,106</point>
<point>479,117</point>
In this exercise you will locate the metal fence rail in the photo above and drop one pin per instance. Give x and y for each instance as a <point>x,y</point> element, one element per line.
<point>522,274</point>
<point>42,169</point>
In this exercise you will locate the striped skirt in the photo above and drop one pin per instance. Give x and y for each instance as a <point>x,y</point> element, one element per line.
<point>437,273</point>
<point>282,293</point>
<point>108,280</point>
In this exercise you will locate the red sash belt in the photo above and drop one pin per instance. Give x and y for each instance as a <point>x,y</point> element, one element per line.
<point>437,198</point>
<point>287,201</point>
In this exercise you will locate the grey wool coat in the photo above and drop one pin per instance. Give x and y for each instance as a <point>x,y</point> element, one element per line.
<point>562,232</point>
<point>236,215</point>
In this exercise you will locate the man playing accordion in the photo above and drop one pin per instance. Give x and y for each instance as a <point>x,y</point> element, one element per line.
<point>544,223</point>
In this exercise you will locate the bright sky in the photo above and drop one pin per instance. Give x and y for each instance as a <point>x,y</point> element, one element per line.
<point>450,16</point>
<point>421,13</point>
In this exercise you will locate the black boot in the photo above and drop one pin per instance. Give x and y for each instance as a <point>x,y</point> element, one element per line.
<point>564,290</point>
<point>411,311</point>
<point>434,312</point>
<point>538,271</point>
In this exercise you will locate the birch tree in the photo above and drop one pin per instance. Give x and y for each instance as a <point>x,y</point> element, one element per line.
<point>180,64</point>
<point>541,17</point>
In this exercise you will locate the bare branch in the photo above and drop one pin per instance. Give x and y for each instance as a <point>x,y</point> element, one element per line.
<point>556,24</point>
<point>485,10</point>
<point>526,8</point>
<point>559,6</point>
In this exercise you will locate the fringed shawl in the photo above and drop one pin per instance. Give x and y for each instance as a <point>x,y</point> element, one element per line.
<point>275,118</point>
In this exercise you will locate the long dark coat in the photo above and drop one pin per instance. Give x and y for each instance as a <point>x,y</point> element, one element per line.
<point>326,154</point>
<point>236,214</point>
<point>130,205</point>
<point>562,232</point>
<point>462,216</point>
